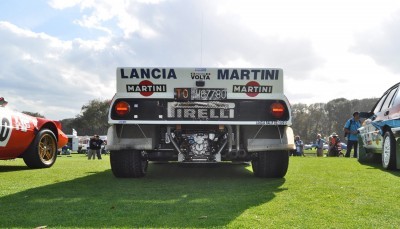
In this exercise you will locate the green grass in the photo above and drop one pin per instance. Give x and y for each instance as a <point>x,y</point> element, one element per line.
<point>316,193</point>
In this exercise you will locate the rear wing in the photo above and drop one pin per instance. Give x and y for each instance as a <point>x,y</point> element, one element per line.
<point>240,83</point>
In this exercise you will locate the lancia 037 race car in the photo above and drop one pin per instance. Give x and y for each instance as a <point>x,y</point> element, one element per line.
<point>380,132</point>
<point>36,140</point>
<point>199,115</point>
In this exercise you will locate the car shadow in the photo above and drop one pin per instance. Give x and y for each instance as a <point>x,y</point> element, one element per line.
<point>375,163</point>
<point>170,196</point>
<point>12,168</point>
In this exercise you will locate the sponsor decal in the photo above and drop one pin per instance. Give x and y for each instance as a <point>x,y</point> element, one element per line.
<point>201,110</point>
<point>252,89</point>
<point>148,73</point>
<point>22,123</point>
<point>146,88</point>
<point>271,122</point>
<point>201,113</point>
<point>200,75</point>
<point>248,74</point>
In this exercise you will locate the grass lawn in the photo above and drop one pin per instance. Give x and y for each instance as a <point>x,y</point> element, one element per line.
<point>316,193</point>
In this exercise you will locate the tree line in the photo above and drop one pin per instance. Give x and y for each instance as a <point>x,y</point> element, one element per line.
<point>308,120</point>
<point>93,119</point>
<point>326,118</point>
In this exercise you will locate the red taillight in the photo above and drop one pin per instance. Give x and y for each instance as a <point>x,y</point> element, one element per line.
<point>277,110</point>
<point>122,108</point>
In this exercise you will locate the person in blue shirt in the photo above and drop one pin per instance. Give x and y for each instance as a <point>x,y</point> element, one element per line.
<point>351,133</point>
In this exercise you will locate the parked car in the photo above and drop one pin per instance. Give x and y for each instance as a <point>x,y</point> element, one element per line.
<point>324,145</point>
<point>343,145</point>
<point>36,140</point>
<point>381,130</point>
<point>308,146</point>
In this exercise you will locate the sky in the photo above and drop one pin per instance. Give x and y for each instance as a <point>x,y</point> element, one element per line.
<point>57,55</point>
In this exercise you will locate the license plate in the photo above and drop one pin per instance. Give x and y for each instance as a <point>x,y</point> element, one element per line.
<point>203,94</point>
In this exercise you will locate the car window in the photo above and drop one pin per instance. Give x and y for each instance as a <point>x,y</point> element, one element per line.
<point>389,99</point>
<point>379,104</point>
<point>396,100</point>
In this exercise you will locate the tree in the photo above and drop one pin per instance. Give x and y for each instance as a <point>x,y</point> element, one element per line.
<point>68,125</point>
<point>308,120</point>
<point>300,118</point>
<point>318,119</point>
<point>33,114</point>
<point>338,112</point>
<point>93,119</point>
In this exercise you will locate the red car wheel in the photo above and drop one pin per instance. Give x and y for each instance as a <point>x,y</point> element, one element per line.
<point>42,153</point>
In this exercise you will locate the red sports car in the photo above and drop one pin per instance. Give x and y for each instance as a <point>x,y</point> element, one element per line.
<point>36,140</point>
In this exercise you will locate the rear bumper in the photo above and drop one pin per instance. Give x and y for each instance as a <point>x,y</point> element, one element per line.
<point>253,138</point>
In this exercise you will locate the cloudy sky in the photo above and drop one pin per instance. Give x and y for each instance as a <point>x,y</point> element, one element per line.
<point>57,55</point>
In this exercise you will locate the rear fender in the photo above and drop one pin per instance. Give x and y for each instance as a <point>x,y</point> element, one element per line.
<point>62,139</point>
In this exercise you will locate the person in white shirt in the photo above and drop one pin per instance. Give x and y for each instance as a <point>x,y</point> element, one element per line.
<point>299,146</point>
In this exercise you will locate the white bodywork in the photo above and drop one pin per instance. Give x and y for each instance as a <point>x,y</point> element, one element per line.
<point>200,114</point>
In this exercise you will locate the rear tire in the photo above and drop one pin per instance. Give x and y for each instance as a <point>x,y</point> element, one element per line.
<point>42,153</point>
<point>128,164</point>
<point>272,164</point>
<point>389,151</point>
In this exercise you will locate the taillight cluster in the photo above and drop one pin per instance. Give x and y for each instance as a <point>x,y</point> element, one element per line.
<point>122,108</point>
<point>277,110</point>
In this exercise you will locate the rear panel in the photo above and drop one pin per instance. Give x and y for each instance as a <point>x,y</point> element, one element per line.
<point>162,82</point>
<point>200,96</point>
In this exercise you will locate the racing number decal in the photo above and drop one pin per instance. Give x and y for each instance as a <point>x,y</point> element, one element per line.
<point>5,130</point>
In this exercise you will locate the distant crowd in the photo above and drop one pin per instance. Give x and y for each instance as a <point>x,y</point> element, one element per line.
<point>351,132</point>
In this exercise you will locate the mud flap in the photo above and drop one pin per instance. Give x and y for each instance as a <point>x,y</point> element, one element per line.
<point>268,138</point>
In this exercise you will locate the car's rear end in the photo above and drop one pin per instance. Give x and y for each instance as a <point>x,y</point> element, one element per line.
<point>199,115</point>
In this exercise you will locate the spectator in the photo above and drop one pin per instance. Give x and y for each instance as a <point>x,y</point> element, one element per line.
<point>299,146</point>
<point>320,146</point>
<point>94,147</point>
<point>335,149</point>
<point>351,132</point>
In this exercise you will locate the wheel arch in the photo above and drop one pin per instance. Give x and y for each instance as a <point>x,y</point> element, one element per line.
<point>48,125</point>
<point>385,128</point>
